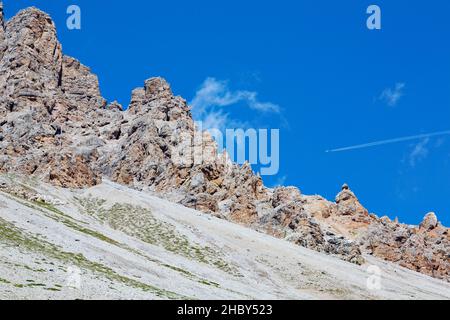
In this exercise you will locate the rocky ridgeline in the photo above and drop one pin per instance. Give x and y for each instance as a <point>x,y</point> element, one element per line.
<point>55,125</point>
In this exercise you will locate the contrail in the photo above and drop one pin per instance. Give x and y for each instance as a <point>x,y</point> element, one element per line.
<point>396,140</point>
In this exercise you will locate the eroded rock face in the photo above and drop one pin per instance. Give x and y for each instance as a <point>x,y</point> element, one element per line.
<point>80,86</point>
<point>48,103</point>
<point>2,31</point>
<point>302,218</point>
<point>429,222</point>
<point>425,249</point>
<point>30,69</point>
<point>349,205</point>
<point>55,124</point>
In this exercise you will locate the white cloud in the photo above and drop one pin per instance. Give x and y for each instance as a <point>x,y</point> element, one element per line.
<point>214,94</point>
<point>391,96</point>
<point>420,152</point>
<point>215,119</point>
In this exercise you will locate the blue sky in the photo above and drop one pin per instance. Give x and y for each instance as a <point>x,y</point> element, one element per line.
<point>335,82</point>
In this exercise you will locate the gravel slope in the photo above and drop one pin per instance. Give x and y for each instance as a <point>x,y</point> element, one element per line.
<point>111,242</point>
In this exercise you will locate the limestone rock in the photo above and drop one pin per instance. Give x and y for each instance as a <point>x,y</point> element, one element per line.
<point>297,218</point>
<point>2,31</point>
<point>115,106</point>
<point>424,249</point>
<point>348,204</point>
<point>429,222</point>
<point>30,68</point>
<point>157,88</point>
<point>71,171</point>
<point>80,85</point>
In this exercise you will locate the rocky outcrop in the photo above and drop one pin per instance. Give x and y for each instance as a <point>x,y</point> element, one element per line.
<point>425,249</point>
<point>2,31</point>
<point>80,86</point>
<point>49,104</point>
<point>299,219</point>
<point>30,69</point>
<point>55,124</point>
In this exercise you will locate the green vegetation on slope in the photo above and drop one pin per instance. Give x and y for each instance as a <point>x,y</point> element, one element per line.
<point>140,223</point>
<point>11,235</point>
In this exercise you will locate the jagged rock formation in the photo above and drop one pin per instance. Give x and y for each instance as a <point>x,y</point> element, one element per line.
<point>55,124</point>
<point>2,31</point>
<point>424,248</point>
<point>45,95</point>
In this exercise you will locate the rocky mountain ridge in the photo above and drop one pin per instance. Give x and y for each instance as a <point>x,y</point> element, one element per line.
<point>55,125</point>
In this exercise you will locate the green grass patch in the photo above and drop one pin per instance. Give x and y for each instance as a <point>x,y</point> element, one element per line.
<point>140,223</point>
<point>12,235</point>
<point>45,208</point>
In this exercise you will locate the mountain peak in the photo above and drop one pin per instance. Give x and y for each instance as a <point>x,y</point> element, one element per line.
<point>430,221</point>
<point>33,17</point>
<point>157,87</point>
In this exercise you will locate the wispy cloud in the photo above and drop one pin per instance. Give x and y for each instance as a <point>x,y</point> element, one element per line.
<point>215,119</point>
<point>215,94</point>
<point>419,152</point>
<point>391,96</point>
